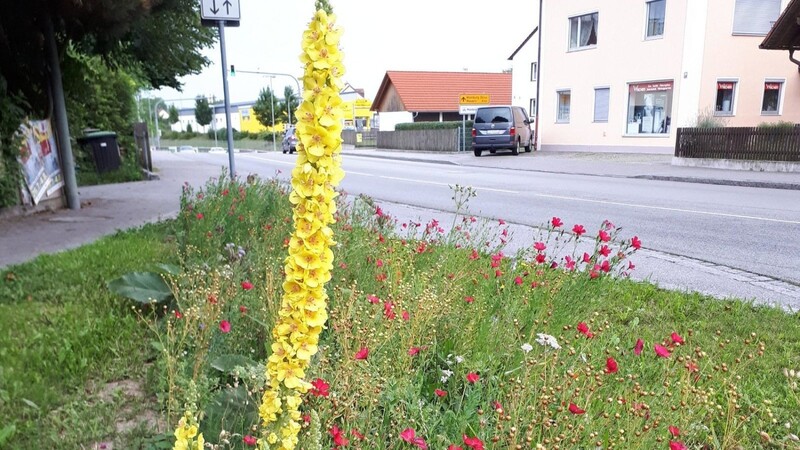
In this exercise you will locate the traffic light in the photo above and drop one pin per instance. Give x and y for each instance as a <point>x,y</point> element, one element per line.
<point>233,71</point>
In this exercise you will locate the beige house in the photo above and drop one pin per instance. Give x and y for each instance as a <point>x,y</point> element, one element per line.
<point>621,76</point>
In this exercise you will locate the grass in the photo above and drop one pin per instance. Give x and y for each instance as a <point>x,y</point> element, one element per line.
<point>430,306</point>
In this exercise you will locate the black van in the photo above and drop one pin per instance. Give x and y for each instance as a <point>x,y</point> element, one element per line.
<point>501,127</point>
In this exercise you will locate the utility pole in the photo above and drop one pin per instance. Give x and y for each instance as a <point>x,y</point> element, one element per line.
<point>272,113</point>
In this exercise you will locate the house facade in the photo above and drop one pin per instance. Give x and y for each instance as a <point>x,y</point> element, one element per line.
<point>524,73</point>
<point>622,76</point>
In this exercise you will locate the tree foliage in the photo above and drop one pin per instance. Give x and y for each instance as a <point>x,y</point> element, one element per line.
<point>173,114</point>
<point>289,103</point>
<point>263,108</point>
<point>202,111</point>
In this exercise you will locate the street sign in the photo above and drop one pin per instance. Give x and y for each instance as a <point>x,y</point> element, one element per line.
<point>473,99</point>
<point>467,109</point>
<point>217,10</point>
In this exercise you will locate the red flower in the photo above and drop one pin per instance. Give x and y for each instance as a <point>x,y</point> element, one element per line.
<point>250,441</point>
<point>674,431</point>
<point>363,353</point>
<point>570,265</point>
<point>338,438</point>
<point>586,258</point>
<point>406,316</point>
<point>320,388</point>
<point>605,266</point>
<point>388,310</point>
<point>212,299</point>
<point>225,326</point>
<point>604,250</point>
<point>539,246</point>
<point>379,263</point>
<point>454,447</point>
<point>673,445</point>
<point>501,221</point>
<point>178,315</point>
<point>474,255</point>
<point>636,243</point>
<point>540,258</point>
<point>661,351</point>
<point>497,406</point>
<point>469,299</point>
<point>246,285</point>
<point>473,377</point>
<point>556,222</point>
<point>472,442</point>
<point>637,349</point>
<point>439,393</point>
<point>676,338</point>
<point>373,299</point>
<point>199,216</point>
<point>409,435</point>
<point>243,309</point>
<point>413,351</point>
<point>603,236</point>
<point>573,408</point>
<point>579,230</point>
<point>358,435</point>
<point>518,280</point>
<point>611,365</point>
<point>584,330</point>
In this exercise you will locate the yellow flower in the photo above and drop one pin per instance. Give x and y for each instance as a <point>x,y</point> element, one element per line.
<point>290,373</point>
<point>328,110</point>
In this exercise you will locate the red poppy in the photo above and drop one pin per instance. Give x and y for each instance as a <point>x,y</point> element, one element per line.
<point>676,338</point>
<point>473,377</point>
<point>250,441</point>
<point>636,243</point>
<point>320,388</point>
<point>246,285</point>
<point>409,435</point>
<point>472,442</point>
<point>637,349</point>
<point>439,393</point>
<point>674,431</point>
<point>611,365</point>
<point>574,409</point>
<point>363,353</point>
<point>673,445</point>
<point>225,326</point>
<point>661,351</point>
<point>579,230</point>
<point>556,222</point>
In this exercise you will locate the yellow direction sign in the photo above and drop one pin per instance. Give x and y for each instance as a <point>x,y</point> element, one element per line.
<point>473,99</point>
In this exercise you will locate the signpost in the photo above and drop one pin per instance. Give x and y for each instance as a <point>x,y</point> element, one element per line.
<point>468,105</point>
<point>222,13</point>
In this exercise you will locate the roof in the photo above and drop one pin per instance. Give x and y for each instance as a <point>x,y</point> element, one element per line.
<point>523,43</point>
<point>439,91</point>
<point>785,33</point>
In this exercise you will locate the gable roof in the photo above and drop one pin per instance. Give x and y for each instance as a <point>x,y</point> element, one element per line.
<point>523,43</point>
<point>439,91</point>
<point>785,33</point>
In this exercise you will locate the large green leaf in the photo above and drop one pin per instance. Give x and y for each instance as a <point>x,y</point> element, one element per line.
<point>143,287</point>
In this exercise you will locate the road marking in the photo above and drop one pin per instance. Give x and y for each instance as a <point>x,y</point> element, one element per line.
<point>434,183</point>
<point>664,208</point>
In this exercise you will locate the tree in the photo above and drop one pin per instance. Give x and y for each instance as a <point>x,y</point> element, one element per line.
<point>289,103</point>
<point>173,115</point>
<point>264,107</point>
<point>202,111</point>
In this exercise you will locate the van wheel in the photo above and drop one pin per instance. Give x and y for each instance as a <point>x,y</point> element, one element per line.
<point>477,152</point>
<point>529,147</point>
<point>515,149</point>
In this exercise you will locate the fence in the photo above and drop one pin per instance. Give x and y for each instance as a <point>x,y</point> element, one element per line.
<point>740,143</point>
<point>366,138</point>
<point>437,140</point>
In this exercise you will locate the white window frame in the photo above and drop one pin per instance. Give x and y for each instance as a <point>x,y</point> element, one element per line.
<point>608,105</point>
<point>647,21</point>
<point>532,106</point>
<point>735,100</point>
<point>558,105</point>
<point>569,32</point>
<point>781,93</point>
<point>534,71</point>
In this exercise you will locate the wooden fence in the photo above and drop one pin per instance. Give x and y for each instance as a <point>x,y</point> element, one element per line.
<point>739,143</point>
<point>440,140</point>
<point>365,138</point>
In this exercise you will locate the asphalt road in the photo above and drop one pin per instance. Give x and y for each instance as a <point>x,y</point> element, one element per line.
<point>725,241</point>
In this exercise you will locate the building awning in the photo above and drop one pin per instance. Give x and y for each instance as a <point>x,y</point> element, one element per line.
<point>785,33</point>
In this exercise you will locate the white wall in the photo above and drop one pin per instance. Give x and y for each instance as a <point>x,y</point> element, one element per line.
<point>388,120</point>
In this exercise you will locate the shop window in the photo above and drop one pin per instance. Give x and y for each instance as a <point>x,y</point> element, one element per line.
<point>564,98</point>
<point>656,14</point>
<point>649,108</point>
<point>601,96</point>
<point>583,31</point>
<point>771,103</point>
<point>726,94</point>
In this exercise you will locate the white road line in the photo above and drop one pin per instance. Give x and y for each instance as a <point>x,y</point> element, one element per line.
<point>435,183</point>
<point>664,208</point>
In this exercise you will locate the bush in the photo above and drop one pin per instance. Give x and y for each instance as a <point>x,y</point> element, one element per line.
<point>431,125</point>
<point>783,125</point>
<point>707,119</point>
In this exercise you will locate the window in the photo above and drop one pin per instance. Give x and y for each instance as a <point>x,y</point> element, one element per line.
<point>726,93</point>
<point>601,104</point>
<point>583,31</point>
<point>532,111</point>
<point>772,98</point>
<point>649,108</point>
<point>562,116</point>
<point>755,17</point>
<point>533,71</point>
<point>655,18</point>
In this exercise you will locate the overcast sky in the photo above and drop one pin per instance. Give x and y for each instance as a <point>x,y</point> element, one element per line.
<point>379,35</point>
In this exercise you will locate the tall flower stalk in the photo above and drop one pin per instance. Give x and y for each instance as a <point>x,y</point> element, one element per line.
<point>303,311</point>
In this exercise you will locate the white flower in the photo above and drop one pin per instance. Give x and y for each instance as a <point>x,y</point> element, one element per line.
<point>446,374</point>
<point>459,359</point>
<point>527,347</point>
<point>547,340</point>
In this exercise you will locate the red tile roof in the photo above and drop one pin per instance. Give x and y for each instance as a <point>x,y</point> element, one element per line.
<point>439,91</point>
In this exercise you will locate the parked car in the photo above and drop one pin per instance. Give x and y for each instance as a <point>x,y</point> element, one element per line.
<point>289,143</point>
<point>501,127</point>
<point>217,150</point>
<point>187,149</point>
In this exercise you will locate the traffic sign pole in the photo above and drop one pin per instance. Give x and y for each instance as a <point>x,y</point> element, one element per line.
<point>229,130</point>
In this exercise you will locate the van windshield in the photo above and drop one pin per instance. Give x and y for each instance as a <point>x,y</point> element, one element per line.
<point>493,115</point>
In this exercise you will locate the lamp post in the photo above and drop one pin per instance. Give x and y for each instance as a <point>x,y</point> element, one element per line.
<point>272,112</point>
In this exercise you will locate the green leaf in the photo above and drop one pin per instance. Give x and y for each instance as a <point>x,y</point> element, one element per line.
<point>6,433</point>
<point>171,269</point>
<point>30,403</point>
<point>226,363</point>
<point>143,287</point>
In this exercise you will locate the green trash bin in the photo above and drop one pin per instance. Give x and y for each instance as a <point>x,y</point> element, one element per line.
<point>103,148</point>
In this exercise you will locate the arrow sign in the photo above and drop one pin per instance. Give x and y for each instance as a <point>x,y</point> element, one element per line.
<point>227,10</point>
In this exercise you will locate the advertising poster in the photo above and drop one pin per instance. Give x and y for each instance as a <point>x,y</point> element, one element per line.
<point>39,159</point>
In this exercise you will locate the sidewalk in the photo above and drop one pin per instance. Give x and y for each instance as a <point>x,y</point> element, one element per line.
<point>108,208</point>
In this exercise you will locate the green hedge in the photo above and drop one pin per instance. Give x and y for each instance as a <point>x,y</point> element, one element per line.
<point>431,125</point>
